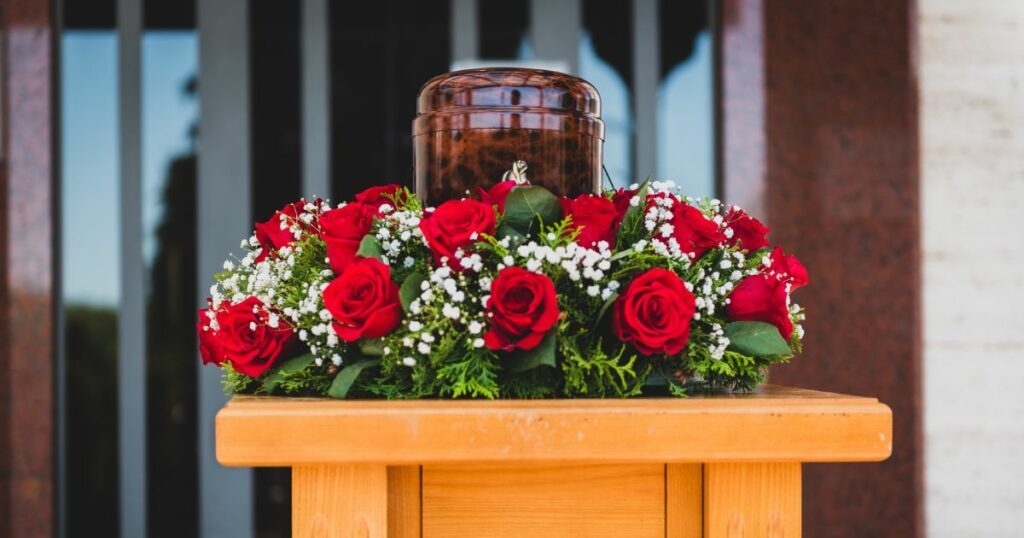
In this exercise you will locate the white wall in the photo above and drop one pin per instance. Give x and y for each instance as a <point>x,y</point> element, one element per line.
<point>971,56</point>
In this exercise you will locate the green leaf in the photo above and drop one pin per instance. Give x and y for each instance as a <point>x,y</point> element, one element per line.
<point>370,248</point>
<point>523,360</point>
<point>525,204</point>
<point>347,377</point>
<point>373,348</point>
<point>506,230</point>
<point>291,365</point>
<point>410,289</point>
<point>756,339</point>
<point>634,215</point>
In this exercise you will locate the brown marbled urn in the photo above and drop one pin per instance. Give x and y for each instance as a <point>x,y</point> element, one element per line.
<point>472,125</point>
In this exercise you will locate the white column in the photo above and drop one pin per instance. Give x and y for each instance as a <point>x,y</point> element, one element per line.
<point>316,99</point>
<point>224,199</point>
<point>555,31</point>
<point>646,63</point>
<point>131,319</point>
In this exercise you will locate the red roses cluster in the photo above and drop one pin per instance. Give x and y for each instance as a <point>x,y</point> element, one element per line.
<point>520,272</point>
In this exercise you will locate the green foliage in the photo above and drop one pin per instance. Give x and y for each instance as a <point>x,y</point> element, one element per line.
<point>369,247</point>
<point>527,204</point>
<point>235,382</point>
<point>410,289</point>
<point>632,228</point>
<point>474,374</point>
<point>756,338</point>
<point>528,359</point>
<point>286,371</point>
<point>596,373</point>
<point>347,377</point>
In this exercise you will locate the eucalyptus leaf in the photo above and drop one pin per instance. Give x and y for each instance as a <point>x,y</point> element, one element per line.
<point>756,339</point>
<point>410,289</point>
<point>544,354</point>
<point>369,247</point>
<point>347,377</point>
<point>527,203</point>
<point>291,365</point>
<point>373,348</point>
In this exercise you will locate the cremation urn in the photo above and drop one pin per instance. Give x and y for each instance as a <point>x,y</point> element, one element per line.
<point>472,125</point>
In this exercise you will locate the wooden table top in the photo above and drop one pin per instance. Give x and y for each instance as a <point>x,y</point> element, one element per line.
<point>773,423</point>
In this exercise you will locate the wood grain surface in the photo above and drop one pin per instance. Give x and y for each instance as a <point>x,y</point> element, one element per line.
<point>775,424</point>
<point>340,501</point>
<point>752,500</point>
<point>543,501</point>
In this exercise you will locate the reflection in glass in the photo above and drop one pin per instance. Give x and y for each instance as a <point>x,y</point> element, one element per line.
<point>606,60</point>
<point>169,115</point>
<point>686,125</point>
<point>616,111</point>
<point>380,56</point>
<point>90,273</point>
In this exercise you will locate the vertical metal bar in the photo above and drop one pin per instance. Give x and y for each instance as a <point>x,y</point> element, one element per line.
<point>131,320</point>
<point>316,100</point>
<point>224,206</point>
<point>465,30</point>
<point>556,29</point>
<point>646,62</point>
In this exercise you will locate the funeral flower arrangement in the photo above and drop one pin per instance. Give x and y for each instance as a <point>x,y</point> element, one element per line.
<point>511,293</point>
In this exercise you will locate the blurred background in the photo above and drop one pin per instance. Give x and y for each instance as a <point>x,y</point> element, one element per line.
<point>880,140</point>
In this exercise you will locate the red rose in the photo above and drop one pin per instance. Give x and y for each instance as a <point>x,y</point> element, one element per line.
<point>363,300</point>
<point>594,216</point>
<point>761,298</point>
<point>654,313</point>
<point>342,229</point>
<point>747,232</point>
<point>788,269</point>
<point>523,307</point>
<point>243,338</point>
<point>765,297</point>
<point>621,200</point>
<point>456,224</point>
<point>497,194</point>
<point>270,234</point>
<point>377,196</point>
<point>695,233</point>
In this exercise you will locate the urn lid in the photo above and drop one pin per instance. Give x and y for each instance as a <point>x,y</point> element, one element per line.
<point>534,98</point>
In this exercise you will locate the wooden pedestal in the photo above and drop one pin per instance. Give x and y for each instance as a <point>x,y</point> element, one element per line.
<point>716,466</point>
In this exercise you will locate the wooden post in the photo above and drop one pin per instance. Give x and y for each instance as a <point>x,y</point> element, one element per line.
<point>703,467</point>
<point>752,500</point>
<point>340,501</point>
